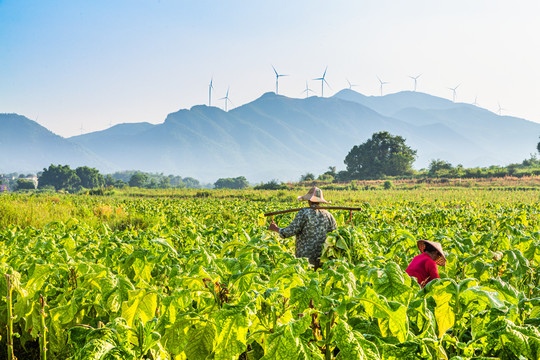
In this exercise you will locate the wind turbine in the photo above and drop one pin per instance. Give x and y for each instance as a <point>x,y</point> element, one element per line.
<point>226,98</point>
<point>277,78</point>
<point>351,85</point>
<point>323,80</point>
<point>415,78</point>
<point>475,103</point>
<point>210,88</point>
<point>81,129</point>
<point>453,92</point>
<point>307,90</point>
<point>500,109</point>
<point>382,83</point>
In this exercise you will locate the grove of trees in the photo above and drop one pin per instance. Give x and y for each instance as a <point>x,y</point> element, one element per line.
<point>231,183</point>
<point>382,155</point>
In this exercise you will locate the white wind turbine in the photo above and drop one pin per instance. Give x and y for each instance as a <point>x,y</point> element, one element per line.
<point>415,78</point>
<point>351,85</point>
<point>277,78</point>
<point>307,90</point>
<point>323,80</point>
<point>453,92</point>
<point>226,98</point>
<point>382,83</point>
<point>210,88</point>
<point>499,111</point>
<point>475,103</point>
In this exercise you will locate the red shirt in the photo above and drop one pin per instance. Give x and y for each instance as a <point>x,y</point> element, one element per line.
<point>423,268</point>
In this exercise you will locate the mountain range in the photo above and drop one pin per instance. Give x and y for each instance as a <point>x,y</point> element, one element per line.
<point>276,137</point>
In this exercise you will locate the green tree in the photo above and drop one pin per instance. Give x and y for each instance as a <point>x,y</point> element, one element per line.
<point>25,184</point>
<point>165,183</point>
<point>307,177</point>
<point>439,167</point>
<point>90,177</point>
<point>191,183</point>
<point>138,179</point>
<point>382,155</point>
<point>60,177</point>
<point>231,183</point>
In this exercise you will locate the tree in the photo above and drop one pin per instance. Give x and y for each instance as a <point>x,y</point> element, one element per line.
<point>307,177</point>
<point>439,167</point>
<point>25,184</point>
<point>191,183</point>
<point>138,179</point>
<point>90,177</point>
<point>231,183</point>
<point>60,176</point>
<point>382,155</point>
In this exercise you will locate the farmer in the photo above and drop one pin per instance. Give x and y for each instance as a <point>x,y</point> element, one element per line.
<point>424,266</point>
<point>310,227</point>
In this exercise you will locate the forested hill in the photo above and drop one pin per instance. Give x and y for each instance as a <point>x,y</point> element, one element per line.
<point>276,137</point>
<point>26,146</point>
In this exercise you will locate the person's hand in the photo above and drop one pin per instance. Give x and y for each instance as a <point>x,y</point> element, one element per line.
<point>273,227</point>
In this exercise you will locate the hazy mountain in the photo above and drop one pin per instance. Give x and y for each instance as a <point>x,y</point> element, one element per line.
<point>272,137</point>
<point>465,133</point>
<point>276,137</point>
<point>26,146</point>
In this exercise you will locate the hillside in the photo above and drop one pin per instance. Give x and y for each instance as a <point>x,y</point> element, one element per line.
<point>27,146</point>
<point>276,137</point>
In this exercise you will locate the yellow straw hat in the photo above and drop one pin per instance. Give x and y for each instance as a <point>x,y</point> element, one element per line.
<point>422,244</point>
<point>314,195</point>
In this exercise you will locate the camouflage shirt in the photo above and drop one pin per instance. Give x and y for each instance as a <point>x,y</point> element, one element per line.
<point>310,227</point>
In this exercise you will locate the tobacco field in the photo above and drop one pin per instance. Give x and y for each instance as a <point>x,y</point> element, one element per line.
<point>201,277</point>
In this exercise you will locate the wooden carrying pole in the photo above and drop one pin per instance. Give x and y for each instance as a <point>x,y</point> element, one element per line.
<point>351,209</point>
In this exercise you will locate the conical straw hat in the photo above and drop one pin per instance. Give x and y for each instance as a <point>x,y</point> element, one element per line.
<point>314,195</point>
<point>422,244</point>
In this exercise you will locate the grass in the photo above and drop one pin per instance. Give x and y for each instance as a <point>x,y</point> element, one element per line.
<point>117,210</point>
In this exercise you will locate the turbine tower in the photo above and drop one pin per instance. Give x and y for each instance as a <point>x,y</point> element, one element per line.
<point>307,90</point>
<point>499,111</point>
<point>277,78</point>
<point>323,80</point>
<point>475,103</point>
<point>226,98</point>
<point>351,85</point>
<point>454,93</point>
<point>382,83</point>
<point>415,78</point>
<point>210,88</point>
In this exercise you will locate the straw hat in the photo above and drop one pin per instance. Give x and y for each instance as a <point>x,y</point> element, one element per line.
<point>314,195</point>
<point>422,244</point>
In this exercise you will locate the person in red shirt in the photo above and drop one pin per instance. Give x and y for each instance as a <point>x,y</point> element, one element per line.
<point>424,266</point>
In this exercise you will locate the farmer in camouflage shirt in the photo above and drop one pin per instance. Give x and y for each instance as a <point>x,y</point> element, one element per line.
<point>310,227</point>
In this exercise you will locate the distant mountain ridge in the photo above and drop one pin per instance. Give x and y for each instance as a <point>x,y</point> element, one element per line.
<point>276,137</point>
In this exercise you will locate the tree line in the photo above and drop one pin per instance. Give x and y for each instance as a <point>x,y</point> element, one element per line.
<point>63,177</point>
<point>387,156</point>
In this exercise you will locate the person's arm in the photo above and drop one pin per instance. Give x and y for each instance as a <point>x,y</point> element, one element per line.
<point>431,268</point>
<point>294,228</point>
<point>333,224</point>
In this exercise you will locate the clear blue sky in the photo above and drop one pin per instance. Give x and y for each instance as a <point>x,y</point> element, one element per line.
<point>93,63</point>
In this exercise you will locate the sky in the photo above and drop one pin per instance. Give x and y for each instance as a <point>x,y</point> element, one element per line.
<point>77,66</point>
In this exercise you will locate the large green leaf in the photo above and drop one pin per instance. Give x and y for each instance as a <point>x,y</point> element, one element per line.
<point>392,283</point>
<point>232,328</point>
<point>140,304</point>
<point>200,341</point>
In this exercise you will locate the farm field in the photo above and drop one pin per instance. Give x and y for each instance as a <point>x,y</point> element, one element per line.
<point>191,274</point>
